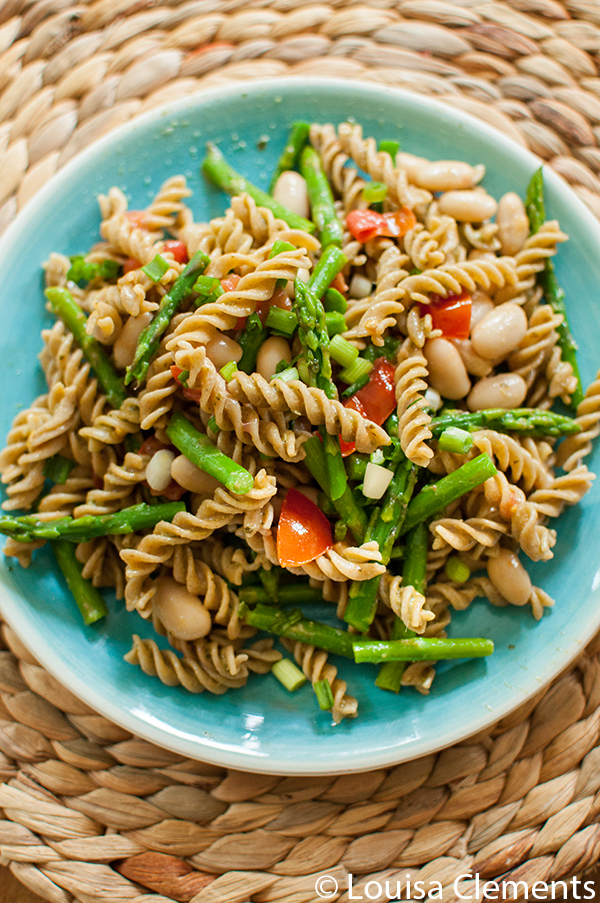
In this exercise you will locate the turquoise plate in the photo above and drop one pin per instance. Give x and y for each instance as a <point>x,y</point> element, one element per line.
<point>264,728</point>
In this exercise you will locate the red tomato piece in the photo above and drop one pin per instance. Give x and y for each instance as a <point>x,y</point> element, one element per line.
<point>230,282</point>
<point>375,401</point>
<point>137,218</point>
<point>151,445</point>
<point>178,250</point>
<point>173,492</point>
<point>131,264</point>
<point>303,533</point>
<point>452,314</point>
<point>367,224</point>
<point>176,371</point>
<point>339,283</point>
<point>192,394</point>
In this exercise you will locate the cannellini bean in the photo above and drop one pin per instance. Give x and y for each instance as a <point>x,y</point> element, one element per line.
<point>481,304</point>
<point>221,350</point>
<point>447,373</point>
<point>182,613</point>
<point>158,470</point>
<point>506,390</point>
<point>513,225</point>
<point>303,274</point>
<point>476,366</point>
<point>411,164</point>
<point>360,286</point>
<point>191,477</point>
<point>124,347</point>
<point>290,190</point>
<point>499,332</point>
<point>468,206</point>
<point>510,577</point>
<point>447,175</point>
<point>273,350</point>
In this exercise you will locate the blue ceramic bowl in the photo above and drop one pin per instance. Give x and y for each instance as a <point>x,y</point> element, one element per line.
<point>263,727</point>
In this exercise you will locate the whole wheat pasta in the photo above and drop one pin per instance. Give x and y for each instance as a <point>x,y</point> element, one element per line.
<point>292,426</point>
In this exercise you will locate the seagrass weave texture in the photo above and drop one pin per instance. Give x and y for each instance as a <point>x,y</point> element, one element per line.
<point>90,812</point>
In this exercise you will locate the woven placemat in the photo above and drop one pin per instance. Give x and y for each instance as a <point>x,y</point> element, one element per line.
<point>94,814</point>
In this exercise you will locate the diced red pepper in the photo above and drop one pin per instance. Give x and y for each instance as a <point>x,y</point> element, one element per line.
<point>278,299</point>
<point>375,401</point>
<point>151,445</point>
<point>178,250</point>
<point>452,314</point>
<point>367,224</point>
<point>339,284</point>
<point>173,492</point>
<point>303,532</point>
<point>131,264</point>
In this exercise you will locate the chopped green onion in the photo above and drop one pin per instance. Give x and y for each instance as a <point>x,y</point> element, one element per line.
<point>58,468</point>
<point>284,321</point>
<point>389,349</point>
<point>156,269</point>
<point>342,351</point>
<point>108,269</point>
<point>453,439</point>
<point>390,147</point>
<point>303,371</point>
<point>355,371</point>
<point>228,371</point>
<point>334,300</point>
<point>355,387</point>
<point>415,271</point>
<point>286,375</point>
<point>81,270</point>
<point>456,569</point>
<point>280,247</point>
<point>213,426</point>
<point>208,289</point>
<point>288,674</point>
<point>356,465</point>
<point>335,323</point>
<point>374,192</point>
<point>324,694</point>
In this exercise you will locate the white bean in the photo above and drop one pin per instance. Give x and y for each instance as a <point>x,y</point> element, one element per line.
<point>191,477</point>
<point>221,350</point>
<point>506,390</point>
<point>513,225</point>
<point>476,366</point>
<point>499,332</point>
<point>510,577</point>
<point>124,347</point>
<point>158,470</point>
<point>446,175</point>
<point>273,350</point>
<point>290,190</point>
<point>481,304</point>
<point>181,612</point>
<point>447,373</point>
<point>468,206</point>
<point>410,164</point>
<point>360,286</point>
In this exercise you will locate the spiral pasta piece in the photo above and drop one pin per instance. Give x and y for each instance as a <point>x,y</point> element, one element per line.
<point>378,313</point>
<point>302,400</point>
<point>157,547</point>
<point>575,448</point>
<point>342,563</point>
<point>315,666</point>
<point>535,539</point>
<point>200,580</point>
<point>413,419</point>
<point>531,259</point>
<point>452,278</point>
<point>345,180</point>
<point>463,535</point>
<point>512,456</point>
<point>406,602</point>
<point>166,206</point>
<point>212,671</point>
<point>118,485</point>
<point>567,489</point>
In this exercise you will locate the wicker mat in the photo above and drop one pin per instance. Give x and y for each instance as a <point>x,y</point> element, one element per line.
<point>94,814</point>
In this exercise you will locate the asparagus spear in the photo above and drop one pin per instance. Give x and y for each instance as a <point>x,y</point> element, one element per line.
<point>384,527</point>
<point>413,574</point>
<point>289,157</point>
<point>329,228</point>
<point>149,340</point>
<point>224,176</point>
<point>346,506</point>
<point>294,626</point>
<point>65,307</point>
<point>199,449</point>
<point>420,649</point>
<point>128,520</point>
<point>331,262</point>
<point>530,421</point>
<point>436,496</point>
<point>88,599</point>
<point>250,341</point>
<point>553,293</point>
<point>313,335</point>
<point>288,594</point>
